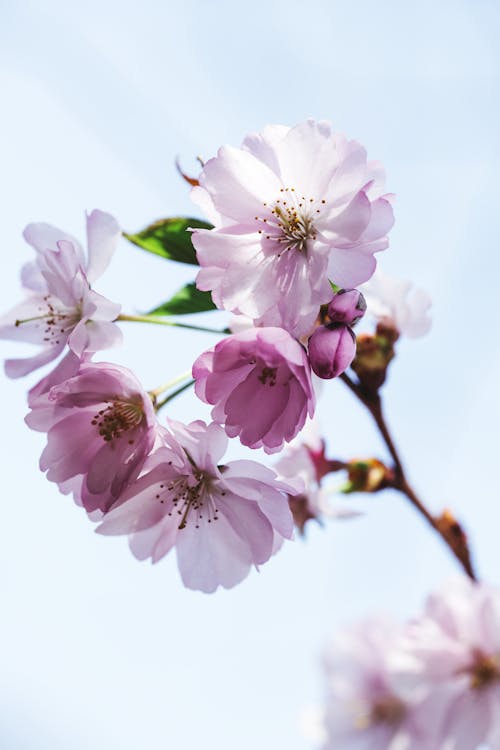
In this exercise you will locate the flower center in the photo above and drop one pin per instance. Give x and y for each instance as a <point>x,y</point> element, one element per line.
<point>117,418</point>
<point>484,671</point>
<point>56,322</point>
<point>387,710</point>
<point>191,498</point>
<point>291,221</point>
<point>268,376</point>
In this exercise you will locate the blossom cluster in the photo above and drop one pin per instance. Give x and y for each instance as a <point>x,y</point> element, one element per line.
<point>295,212</point>
<point>298,215</point>
<point>162,486</point>
<point>430,684</point>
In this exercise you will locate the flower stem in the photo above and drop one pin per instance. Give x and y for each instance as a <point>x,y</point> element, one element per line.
<point>171,396</point>
<point>163,322</point>
<point>169,384</point>
<point>373,402</point>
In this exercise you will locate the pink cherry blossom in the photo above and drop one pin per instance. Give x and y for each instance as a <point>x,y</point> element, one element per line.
<point>260,383</point>
<point>222,519</point>
<point>374,699</point>
<point>305,459</point>
<point>394,303</point>
<point>293,207</point>
<point>100,429</point>
<point>61,307</point>
<point>457,640</point>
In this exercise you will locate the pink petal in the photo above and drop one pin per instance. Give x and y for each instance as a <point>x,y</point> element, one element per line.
<point>263,145</point>
<point>349,268</point>
<point>103,233</point>
<point>251,525</point>
<point>239,183</point>
<point>211,556</point>
<point>18,368</point>
<point>44,237</point>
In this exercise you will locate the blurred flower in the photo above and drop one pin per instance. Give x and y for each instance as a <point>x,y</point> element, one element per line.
<point>222,519</point>
<point>457,640</point>
<point>293,208</point>
<point>100,429</point>
<point>61,307</point>
<point>373,693</point>
<point>395,304</point>
<point>308,505</point>
<point>260,383</point>
<point>432,684</point>
<point>305,460</point>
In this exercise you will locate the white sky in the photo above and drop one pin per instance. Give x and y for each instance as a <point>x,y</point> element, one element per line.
<point>98,650</point>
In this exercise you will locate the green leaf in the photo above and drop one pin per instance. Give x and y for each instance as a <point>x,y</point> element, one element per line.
<point>187,300</point>
<point>170,238</point>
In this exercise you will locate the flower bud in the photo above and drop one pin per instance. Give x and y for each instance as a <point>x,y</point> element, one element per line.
<point>453,533</point>
<point>331,350</point>
<point>347,306</point>
<point>374,352</point>
<point>367,475</point>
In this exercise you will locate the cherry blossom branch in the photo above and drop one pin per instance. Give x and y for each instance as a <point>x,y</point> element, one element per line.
<point>447,528</point>
<point>162,322</point>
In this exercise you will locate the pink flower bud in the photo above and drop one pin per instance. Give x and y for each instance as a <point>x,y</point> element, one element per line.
<point>331,350</point>
<point>348,306</point>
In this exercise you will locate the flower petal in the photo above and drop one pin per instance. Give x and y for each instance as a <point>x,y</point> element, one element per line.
<point>103,233</point>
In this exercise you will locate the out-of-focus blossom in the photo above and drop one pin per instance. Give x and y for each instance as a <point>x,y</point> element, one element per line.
<point>347,306</point>
<point>331,350</point>
<point>305,459</point>
<point>373,698</point>
<point>100,429</point>
<point>61,306</point>
<point>260,383</point>
<point>395,304</point>
<point>222,519</point>
<point>457,640</point>
<point>308,505</point>
<point>433,684</point>
<point>292,208</point>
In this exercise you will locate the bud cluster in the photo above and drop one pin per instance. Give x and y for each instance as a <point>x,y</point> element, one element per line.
<point>332,346</point>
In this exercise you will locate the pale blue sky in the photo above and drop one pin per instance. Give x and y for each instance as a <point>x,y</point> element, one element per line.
<point>99,651</point>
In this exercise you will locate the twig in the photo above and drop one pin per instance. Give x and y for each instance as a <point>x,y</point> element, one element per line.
<point>373,403</point>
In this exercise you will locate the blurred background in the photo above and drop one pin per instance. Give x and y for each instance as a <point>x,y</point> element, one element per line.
<point>98,650</point>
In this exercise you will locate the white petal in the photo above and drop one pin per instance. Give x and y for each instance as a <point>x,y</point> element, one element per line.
<point>103,233</point>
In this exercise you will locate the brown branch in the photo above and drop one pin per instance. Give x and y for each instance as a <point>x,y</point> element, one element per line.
<point>451,534</point>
